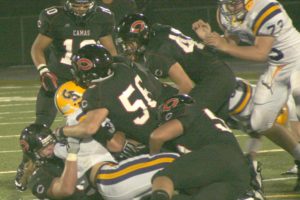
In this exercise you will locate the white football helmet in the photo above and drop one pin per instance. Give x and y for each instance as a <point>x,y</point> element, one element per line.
<point>68,98</point>
<point>235,10</point>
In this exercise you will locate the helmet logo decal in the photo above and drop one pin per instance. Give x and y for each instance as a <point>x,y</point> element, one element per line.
<point>84,64</point>
<point>137,26</point>
<point>24,145</point>
<point>70,94</point>
<point>171,103</point>
<point>84,104</point>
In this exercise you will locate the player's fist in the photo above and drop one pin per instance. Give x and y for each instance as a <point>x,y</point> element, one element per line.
<point>201,28</point>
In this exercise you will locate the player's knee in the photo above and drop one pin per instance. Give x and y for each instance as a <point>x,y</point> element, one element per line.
<point>261,124</point>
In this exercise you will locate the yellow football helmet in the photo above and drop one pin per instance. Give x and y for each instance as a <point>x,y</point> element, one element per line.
<point>68,98</point>
<point>283,115</point>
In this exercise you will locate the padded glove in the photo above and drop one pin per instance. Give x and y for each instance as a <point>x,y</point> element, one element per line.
<point>48,79</point>
<point>73,145</point>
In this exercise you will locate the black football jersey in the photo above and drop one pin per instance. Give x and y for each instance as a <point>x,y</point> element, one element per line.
<point>201,129</point>
<point>168,46</point>
<point>69,34</point>
<point>42,178</point>
<point>131,104</point>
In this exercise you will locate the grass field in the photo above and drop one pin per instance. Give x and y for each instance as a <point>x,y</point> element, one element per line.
<point>17,107</point>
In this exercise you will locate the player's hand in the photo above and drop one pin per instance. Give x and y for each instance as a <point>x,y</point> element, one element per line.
<point>48,79</point>
<point>201,28</point>
<point>216,40</point>
<point>130,150</point>
<point>59,135</point>
<point>73,145</point>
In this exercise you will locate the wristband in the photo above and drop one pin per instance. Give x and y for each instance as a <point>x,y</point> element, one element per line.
<point>42,68</point>
<point>71,157</point>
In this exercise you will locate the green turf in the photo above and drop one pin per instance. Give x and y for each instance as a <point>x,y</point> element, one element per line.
<point>15,114</point>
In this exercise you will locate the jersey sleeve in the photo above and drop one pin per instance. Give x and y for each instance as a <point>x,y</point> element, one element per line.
<point>269,21</point>
<point>44,26</point>
<point>159,62</point>
<point>40,183</point>
<point>191,113</point>
<point>107,21</point>
<point>91,100</point>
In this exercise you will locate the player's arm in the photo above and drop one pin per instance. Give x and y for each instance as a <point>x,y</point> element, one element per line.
<point>164,133</point>
<point>65,185</point>
<point>258,52</point>
<point>180,78</point>
<point>87,127</point>
<point>39,45</point>
<point>107,42</point>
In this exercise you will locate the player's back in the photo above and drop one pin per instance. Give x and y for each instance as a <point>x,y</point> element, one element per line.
<point>168,46</point>
<point>129,101</point>
<point>201,129</point>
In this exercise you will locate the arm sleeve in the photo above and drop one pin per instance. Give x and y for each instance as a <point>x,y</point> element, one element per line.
<point>44,26</point>
<point>40,183</point>
<point>159,62</point>
<point>91,100</point>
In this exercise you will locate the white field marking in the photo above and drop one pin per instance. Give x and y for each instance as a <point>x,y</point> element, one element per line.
<point>279,179</point>
<point>17,104</point>
<point>10,123</point>
<point>16,112</point>
<point>241,135</point>
<point>283,196</point>
<point>16,98</point>
<point>8,172</point>
<point>12,151</point>
<point>9,136</point>
<point>19,87</point>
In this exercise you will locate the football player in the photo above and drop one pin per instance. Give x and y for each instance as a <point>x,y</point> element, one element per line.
<point>115,91</point>
<point>49,176</point>
<point>62,31</point>
<point>190,65</point>
<point>128,179</point>
<point>271,36</point>
<point>208,144</point>
<point>240,109</point>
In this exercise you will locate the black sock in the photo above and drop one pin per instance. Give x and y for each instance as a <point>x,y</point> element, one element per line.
<point>160,195</point>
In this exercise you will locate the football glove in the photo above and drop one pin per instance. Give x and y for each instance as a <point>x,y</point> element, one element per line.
<point>130,150</point>
<point>48,79</point>
<point>73,145</point>
<point>24,171</point>
<point>59,135</point>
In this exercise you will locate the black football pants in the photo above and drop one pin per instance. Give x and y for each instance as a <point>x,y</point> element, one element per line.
<point>215,172</point>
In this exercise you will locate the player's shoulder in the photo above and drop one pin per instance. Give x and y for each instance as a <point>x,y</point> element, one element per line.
<point>103,14</point>
<point>264,13</point>
<point>51,12</point>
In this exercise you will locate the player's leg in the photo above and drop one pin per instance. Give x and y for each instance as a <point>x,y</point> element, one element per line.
<point>209,165</point>
<point>270,96</point>
<point>45,107</point>
<point>295,88</point>
<point>131,178</point>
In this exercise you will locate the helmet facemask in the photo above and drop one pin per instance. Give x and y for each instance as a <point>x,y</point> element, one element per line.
<point>79,8</point>
<point>35,138</point>
<point>235,10</point>
<point>133,35</point>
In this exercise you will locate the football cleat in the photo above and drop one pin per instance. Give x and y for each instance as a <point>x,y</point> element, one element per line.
<point>297,187</point>
<point>253,195</point>
<point>292,171</point>
<point>68,98</point>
